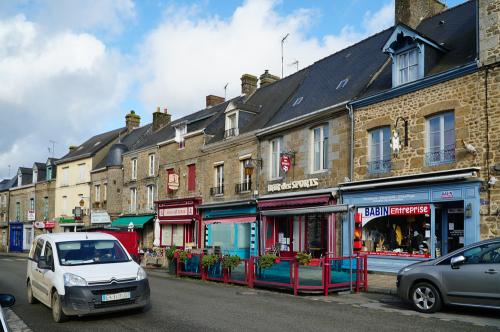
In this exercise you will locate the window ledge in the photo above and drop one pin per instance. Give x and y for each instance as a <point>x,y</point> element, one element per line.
<point>321,171</point>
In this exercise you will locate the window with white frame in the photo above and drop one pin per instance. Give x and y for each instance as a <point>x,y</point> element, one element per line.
<point>245,177</point>
<point>440,147</point>
<point>320,148</point>
<point>218,180</point>
<point>65,176</point>
<point>151,165</point>
<point>407,65</point>
<point>97,190</point>
<point>134,169</point>
<point>231,124</point>
<point>180,132</point>
<point>379,150</point>
<point>133,199</point>
<point>105,192</point>
<point>32,204</point>
<point>276,148</point>
<point>82,168</point>
<point>151,197</point>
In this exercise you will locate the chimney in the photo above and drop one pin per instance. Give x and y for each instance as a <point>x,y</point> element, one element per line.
<point>248,84</point>
<point>411,12</point>
<point>132,120</point>
<point>489,33</point>
<point>72,148</point>
<point>161,119</point>
<point>214,100</point>
<point>267,78</point>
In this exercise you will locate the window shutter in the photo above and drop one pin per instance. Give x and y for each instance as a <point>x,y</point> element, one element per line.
<point>192,177</point>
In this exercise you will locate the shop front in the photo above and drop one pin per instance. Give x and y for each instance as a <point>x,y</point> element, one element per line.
<point>15,236</point>
<point>299,222</point>
<point>141,224</point>
<point>231,227</point>
<point>179,222</point>
<point>402,222</point>
<point>70,224</point>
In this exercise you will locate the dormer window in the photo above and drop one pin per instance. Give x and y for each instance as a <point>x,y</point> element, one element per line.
<point>180,132</point>
<point>231,125</point>
<point>49,173</point>
<point>19,179</point>
<point>412,54</point>
<point>407,65</point>
<point>35,175</point>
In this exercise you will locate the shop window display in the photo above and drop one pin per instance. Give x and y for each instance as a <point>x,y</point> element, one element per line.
<point>388,231</point>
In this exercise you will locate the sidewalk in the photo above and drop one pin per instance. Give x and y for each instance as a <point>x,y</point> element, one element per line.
<point>14,254</point>
<point>382,283</point>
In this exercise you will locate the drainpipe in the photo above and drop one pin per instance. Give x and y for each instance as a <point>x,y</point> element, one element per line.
<point>351,173</point>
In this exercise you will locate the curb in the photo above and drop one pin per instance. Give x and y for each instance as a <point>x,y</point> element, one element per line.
<point>386,291</point>
<point>18,255</point>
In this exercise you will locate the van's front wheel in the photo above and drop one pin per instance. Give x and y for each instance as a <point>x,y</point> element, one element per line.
<point>57,312</point>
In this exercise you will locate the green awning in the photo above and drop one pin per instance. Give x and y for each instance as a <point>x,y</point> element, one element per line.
<point>138,221</point>
<point>66,220</point>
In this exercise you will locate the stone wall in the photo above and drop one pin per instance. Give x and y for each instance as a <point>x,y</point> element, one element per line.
<point>465,96</point>
<point>110,178</point>
<point>42,190</point>
<point>21,195</point>
<point>299,141</point>
<point>489,31</point>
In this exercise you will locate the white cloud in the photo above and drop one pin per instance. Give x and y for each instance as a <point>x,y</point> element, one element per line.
<point>53,87</point>
<point>188,55</point>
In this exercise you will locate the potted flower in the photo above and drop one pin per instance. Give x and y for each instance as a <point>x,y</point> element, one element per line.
<point>209,260</point>
<point>268,260</point>
<point>230,261</point>
<point>170,254</point>
<point>303,258</point>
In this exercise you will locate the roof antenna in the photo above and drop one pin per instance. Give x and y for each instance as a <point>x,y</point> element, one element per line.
<point>296,63</point>
<point>282,42</point>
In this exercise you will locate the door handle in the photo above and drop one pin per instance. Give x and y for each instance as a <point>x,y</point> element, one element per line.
<point>491,271</point>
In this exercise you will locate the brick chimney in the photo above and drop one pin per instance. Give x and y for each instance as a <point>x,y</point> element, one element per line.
<point>132,120</point>
<point>161,119</point>
<point>489,33</point>
<point>248,84</point>
<point>267,78</point>
<point>72,148</point>
<point>411,12</point>
<point>214,100</point>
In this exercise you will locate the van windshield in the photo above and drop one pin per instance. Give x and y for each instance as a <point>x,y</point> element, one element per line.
<point>90,252</point>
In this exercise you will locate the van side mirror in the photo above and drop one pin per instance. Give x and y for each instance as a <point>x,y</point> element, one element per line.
<point>43,264</point>
<point>457,261</point>
<point>7,300</point>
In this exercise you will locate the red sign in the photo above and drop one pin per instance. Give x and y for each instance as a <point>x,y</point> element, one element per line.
<point>398,254</point>
<point>399,210</point>
<point>285,163</point>
<point>50,224</point>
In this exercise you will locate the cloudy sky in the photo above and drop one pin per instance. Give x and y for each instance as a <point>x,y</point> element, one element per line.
<point>70,69</point>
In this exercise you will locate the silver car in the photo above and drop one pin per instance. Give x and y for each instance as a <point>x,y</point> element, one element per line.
<point>469,276</point>
<point>6,300</point>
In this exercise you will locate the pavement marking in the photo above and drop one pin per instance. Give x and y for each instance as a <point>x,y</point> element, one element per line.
<point>6,259</point>
<point>20,259</point>
<point>15,323</point>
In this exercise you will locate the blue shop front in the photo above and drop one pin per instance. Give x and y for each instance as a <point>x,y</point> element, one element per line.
<point>232,227</point>
<point>408,219</point>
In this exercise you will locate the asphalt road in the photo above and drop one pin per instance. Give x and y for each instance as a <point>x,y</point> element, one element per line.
<point>193,305</point>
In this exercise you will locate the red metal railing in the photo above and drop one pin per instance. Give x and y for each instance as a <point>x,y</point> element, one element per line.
<point>332,273</point>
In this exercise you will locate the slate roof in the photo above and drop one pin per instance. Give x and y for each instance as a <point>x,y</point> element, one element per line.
<point>454,29</point>
<point>264,102</point>
<point>92,145</point>
<point>130,139</point>
<point>6,184</point>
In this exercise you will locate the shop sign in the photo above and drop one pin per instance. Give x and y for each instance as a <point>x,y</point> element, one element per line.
<point>372,212</point>
<point>420,196</point>
<point>173,181</point>
<point>78,212</point>
<point>285,162</point>
<point>39,224</point>
<point>99,217</point>
<point>396,254</point>
<point>174,212</point>
<point>50,224</point>
<point>300,184</point>
<point>31,215</point>
<point>446,194</point>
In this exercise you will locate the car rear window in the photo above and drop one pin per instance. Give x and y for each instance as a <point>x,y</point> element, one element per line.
<point>91,252</point>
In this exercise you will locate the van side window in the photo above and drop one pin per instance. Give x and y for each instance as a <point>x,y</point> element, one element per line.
<point>35,254</point>
<point>49,254</point>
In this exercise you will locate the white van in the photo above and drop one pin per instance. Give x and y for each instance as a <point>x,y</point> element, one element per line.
<point>84,273</point>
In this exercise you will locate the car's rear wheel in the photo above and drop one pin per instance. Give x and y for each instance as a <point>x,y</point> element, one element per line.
<point>425,298</point>
<point>29,294</point>
<point>57,312</point>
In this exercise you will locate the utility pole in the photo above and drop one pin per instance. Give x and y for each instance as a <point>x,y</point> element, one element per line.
<point>282,42</point>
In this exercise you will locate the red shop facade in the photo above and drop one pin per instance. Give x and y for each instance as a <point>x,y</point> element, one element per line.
<point>180,222</point>
<point>303,221</point>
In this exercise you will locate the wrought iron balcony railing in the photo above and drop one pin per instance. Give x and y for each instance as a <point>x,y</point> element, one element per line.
<point>379,166</point>
<point>231,132</point>
<point>217,191</point>
<point>243,187</point>
<point>438,157</point>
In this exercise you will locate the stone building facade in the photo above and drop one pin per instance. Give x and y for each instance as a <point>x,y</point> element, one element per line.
<point>21,204</point>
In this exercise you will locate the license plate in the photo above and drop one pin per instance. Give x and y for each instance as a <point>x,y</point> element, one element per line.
<point>114,297</point>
